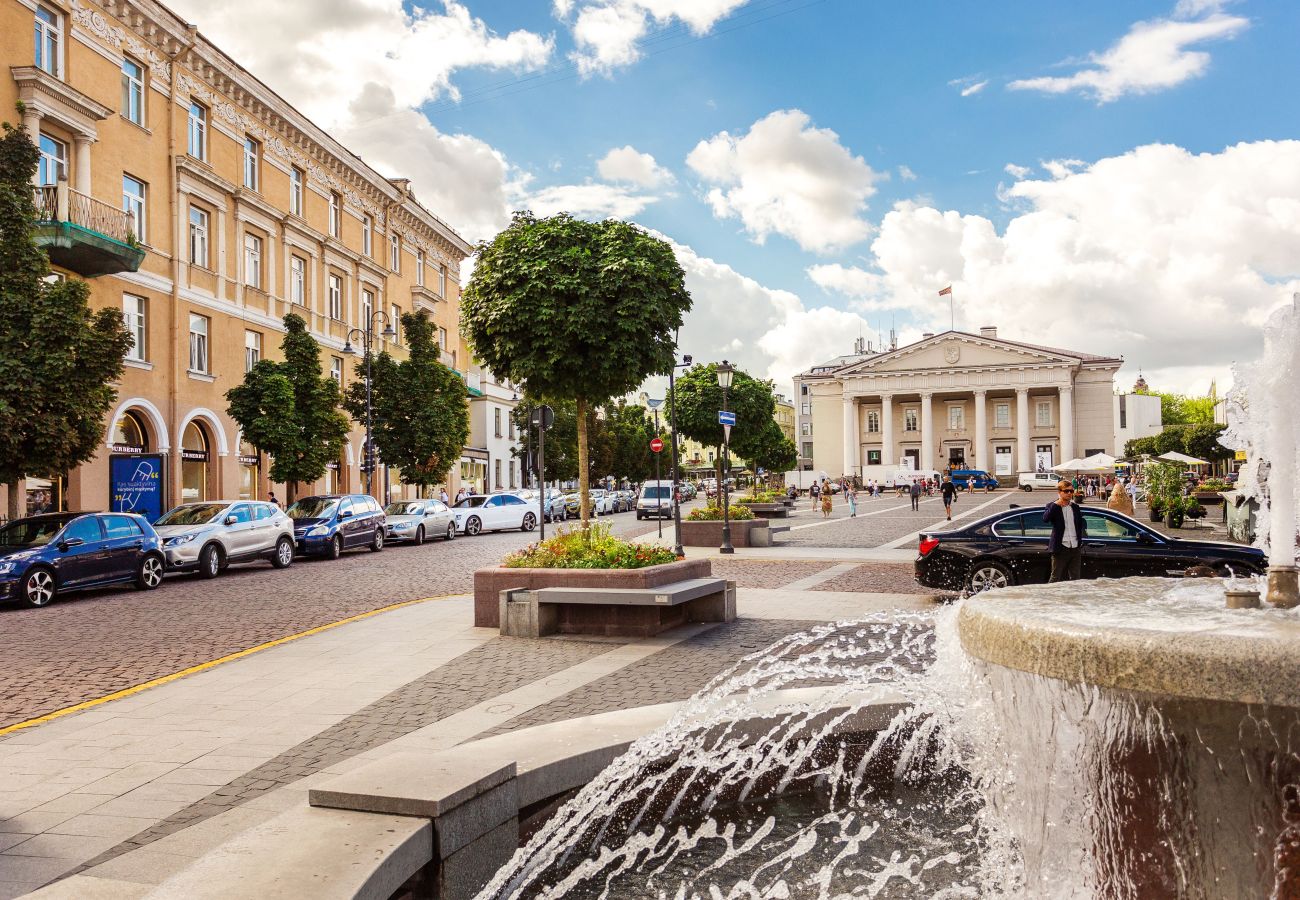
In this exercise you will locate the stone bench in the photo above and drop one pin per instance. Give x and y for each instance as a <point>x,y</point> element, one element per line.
<point>633,612</point>
<point>768,510</point>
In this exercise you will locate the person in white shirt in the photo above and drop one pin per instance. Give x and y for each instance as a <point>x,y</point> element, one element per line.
<point>1068,531</point>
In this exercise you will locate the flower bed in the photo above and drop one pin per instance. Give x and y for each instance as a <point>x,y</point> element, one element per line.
<point>595,548</point>
<point>760,497</point>
<point>713,513</point>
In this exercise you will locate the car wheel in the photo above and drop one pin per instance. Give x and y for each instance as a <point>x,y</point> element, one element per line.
<point>419,536</point>
<point>987,575</point>
<point>150,574</point>
<point>530,522</point>
<point>1028,489</point>
<point>335,548</point>
<point>451,531</point>
<point>377,542</point>
<point>474,526</point>
<point>39,588</point>
<point>282,558</point>
<point>210,561</point>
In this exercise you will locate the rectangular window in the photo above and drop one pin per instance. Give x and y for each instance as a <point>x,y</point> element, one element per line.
<point>198,343</point>
<point>133,90</point>
<point>496,421</point>
<point>49,41</point>
<point>252,349</point>
<point>873,457</point>
<point>419,267</point>
<point>1043,410</point>
<point>367,236</point>
<point>198,131</point>
<point>1123,411</point>
<point>805,408</point>
<point>336,369</point>
<point>956,418</point>
<point>1002,415</point>
<point>442,280</point>
<point>336,214</point>
<point>496,474</point>
<point>807,449</point>
<point>133,202</point>
<point>909,419</point>
<point>396,313</point>
<point>873,422</point>
<point>252,260</point>
<point>806,429</point>
<point>198,237</point>
<point>803,389</point>
<point>295,190</point>
<point>336,297</point>
<point>135,311</point>
<point>513,481</point>
<point>252,164</point>
<point>442,339</point>
<point>298,280</point>
<point>395,253</point>
<point>53,163</point>
<point>367,307</point>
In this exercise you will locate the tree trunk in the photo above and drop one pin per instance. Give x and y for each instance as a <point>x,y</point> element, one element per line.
<point>14,492</point>
<point>584,476</point>
<point>291,493</point>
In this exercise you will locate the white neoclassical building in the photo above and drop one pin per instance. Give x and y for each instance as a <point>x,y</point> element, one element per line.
<point>960,399</point>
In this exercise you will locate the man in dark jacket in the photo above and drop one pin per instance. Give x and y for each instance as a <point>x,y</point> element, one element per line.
<point>949,491</point>
<point>1068,532</point>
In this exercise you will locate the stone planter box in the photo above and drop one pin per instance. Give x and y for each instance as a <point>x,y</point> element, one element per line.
<point>749,533</point>
<point>490,582</point>
<point>768,510</point>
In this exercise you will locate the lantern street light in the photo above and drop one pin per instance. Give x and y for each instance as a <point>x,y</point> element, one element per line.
<point>725,374</point>
<point>678,551</point>
<point>367,336</point>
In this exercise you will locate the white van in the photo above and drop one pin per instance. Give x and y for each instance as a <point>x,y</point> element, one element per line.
<point>1039,481</point>
<point>655,501</point>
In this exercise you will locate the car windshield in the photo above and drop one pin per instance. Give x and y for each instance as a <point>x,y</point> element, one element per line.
<point>30,532</point>
<point>655,492</point>
<point>404,509</point>
<point>198,514</point>
<point>313,508</point>
<point>470,502</point>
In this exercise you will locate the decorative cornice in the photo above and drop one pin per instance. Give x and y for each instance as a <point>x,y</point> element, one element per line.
<point>117,38</point>
<point>52,97</point>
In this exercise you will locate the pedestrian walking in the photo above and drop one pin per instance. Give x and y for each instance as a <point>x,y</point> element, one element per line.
<point>815,493</point>
<point>1131,488</point>
<point>949,491</point>
<point>1068,532</point>
<point>442,496</point>
<point>826,502</point>
<point>271,498</point>
<point>853,503</point>
<point>915,491</point>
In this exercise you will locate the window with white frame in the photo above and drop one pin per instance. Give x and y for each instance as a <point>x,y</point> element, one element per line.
<point>419,266</point>
<point>252,349</point>
<point>396,312</point>
<point>807,450</point>
<point>395,252</point>
<point>367,235</point>
<point>910,417</point>
<point>198,131</point>
<point>336,297</point>
<point>49,41</point>
<point>336,214</point>
<point>806,429</point>
<point>956,418</point>
<point>367,307</point>
<point>198,343</point>
<point>805,408</point>
<point>198,237</point>
<point>53,162</point>
<point>1001,415</point>
<point>442,339</point>
<point>252,164</point>
<point>252,260</point>
<point>336,369</point>
<point>296,179</point>
<point>298,280</point>
<point>496,420</point>
<point>1043,413</point>
<point>873,421</point>
<point>133,202</point>
<point>442,280</point>
<point>135,310</point>
<point>132,90</point>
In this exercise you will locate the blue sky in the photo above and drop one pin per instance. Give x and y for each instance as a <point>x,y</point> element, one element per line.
<point>887,79</point>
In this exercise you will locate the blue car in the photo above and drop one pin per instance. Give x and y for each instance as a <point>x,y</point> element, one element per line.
<point>44,556</point>
<point>331,523</point>
<point>974,479</point>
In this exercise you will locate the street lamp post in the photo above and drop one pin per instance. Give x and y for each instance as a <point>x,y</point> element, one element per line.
<point>678,550</point>
<point>367,336</point>
<point>725,374</point>
<point>659,519</point>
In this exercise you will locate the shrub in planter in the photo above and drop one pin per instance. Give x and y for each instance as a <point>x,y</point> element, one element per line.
<point>761,497</point>
<point>1193,509</point>
<point>595,548</point>
<point>713,513</point>
<point>1156,511</point>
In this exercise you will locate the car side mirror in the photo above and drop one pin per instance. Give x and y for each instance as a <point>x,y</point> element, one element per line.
<point>231,520</point>
<point>1144,538</point>
<point>346,514</point>
<point>68,543</point>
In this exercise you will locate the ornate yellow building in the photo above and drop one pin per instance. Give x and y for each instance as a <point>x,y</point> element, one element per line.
<point>202,205</point>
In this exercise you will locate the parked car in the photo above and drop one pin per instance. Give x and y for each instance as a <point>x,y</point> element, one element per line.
<point>206,537</point>
<point>43,557</point>
<point>974,479</point>
<point>687,491</point>
<point>327,525</point>
<point>1010,547</point>
<point>573,504</point>
<point>601,502</point>
<point>656,500</point>
<point>419,520</point>
<point>478,513</point>
<point>1039,481</point>
<point>556,508</point>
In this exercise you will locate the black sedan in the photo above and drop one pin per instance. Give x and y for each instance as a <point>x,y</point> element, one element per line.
<point>1010,547</point>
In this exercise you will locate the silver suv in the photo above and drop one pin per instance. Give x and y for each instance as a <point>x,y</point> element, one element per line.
<point>206,537</point>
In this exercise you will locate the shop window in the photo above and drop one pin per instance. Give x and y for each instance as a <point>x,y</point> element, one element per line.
<point>194,463</point>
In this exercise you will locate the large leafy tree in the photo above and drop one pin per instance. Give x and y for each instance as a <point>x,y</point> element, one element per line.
<point>290,411</point>
<point>699,398</point>
<point>58,360</point>
<point>420,411</point>
<point>575,310</point>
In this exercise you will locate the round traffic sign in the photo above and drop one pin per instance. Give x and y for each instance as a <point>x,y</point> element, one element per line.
<point>656,445</point>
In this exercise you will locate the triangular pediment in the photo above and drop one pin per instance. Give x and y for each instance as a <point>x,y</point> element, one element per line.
<point>955,350</point>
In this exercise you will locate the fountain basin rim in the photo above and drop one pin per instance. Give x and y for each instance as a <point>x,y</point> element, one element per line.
<point>1017,628</point>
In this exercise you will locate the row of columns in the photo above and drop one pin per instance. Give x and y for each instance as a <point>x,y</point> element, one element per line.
<point>1024,449</point>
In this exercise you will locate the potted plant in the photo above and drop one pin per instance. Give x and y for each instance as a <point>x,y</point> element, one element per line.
<point>1177,510</point>
<point>1155,509</point>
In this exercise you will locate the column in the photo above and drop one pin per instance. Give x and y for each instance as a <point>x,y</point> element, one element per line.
<point>927,431</point>
<point>1067,422</point>
<point>81,160</point>
<point>850,435</point>
<point>887,430</point>
<point>1023,460</point>
<point>32,125</point>
<point>982,431</point>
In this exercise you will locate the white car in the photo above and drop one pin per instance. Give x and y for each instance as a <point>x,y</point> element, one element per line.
<point>602,503</point>
<point>418,520</point>
<point>478,513</point>
<point>1030,481</point>
<point>205,537</point>
<point>656,500</point>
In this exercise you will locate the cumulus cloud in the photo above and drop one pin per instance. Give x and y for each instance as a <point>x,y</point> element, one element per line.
<point>628,165</point>
<point>1169,258</point>
<point>607,33</point>
<point>1016,171</point>
<point>1153,56</point>
<point>869,290</point>
<point>906,173</point>
<point>591,200</point>
<point>786,177</point>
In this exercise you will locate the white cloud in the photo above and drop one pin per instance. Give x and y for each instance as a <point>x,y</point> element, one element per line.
<point>587,201</point>
<point>868,289</point>
<point>607,32</point>
<point>786,177</point>
<point>1016,171</point>
<point>1169,258</point>
<point>906,173</point>
<point>970,85</point>
<point>1152,56</point>
<point>974,88</point>
<point>626,164</point>
<point>1061,168</point>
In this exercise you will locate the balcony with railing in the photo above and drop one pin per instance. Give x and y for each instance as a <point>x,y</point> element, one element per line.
<point>472,380</point>
<point>83,234</point>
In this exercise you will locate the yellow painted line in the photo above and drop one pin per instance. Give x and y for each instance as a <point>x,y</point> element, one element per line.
<point>192,670</point>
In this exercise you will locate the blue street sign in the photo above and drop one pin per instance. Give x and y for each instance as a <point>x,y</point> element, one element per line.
<point>726,418</point>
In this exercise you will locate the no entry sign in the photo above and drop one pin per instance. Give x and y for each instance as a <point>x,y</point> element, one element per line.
<point>656,445</point>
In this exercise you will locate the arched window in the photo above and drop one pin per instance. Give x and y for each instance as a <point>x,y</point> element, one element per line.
<point>129,434</point>
<point>194,463</point>
<point>250,464</point>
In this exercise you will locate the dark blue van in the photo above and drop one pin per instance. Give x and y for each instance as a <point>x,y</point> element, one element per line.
<point>329,524</point>
<point>973,479</point>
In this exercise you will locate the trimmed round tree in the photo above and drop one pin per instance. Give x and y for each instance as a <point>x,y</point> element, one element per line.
<point>575,310</point>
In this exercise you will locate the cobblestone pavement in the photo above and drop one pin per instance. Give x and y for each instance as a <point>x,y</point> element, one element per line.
<point>485,672</point>
<point>752,573</point>
<point>876,577</point>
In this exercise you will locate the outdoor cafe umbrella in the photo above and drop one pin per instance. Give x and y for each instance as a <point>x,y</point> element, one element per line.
<point>1175,456</point>
<point>1087,466</point>
<point>1102,462</point>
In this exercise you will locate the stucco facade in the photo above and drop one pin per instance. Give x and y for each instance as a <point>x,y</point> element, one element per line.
<point>245,210</point>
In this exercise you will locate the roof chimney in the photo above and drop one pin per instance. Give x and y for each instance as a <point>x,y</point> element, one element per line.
<point>989,331</point>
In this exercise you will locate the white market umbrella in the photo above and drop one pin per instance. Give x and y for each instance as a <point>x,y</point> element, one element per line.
<point>1175,456</point>
<point>1100,462</point>
<point>1073,465</point>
